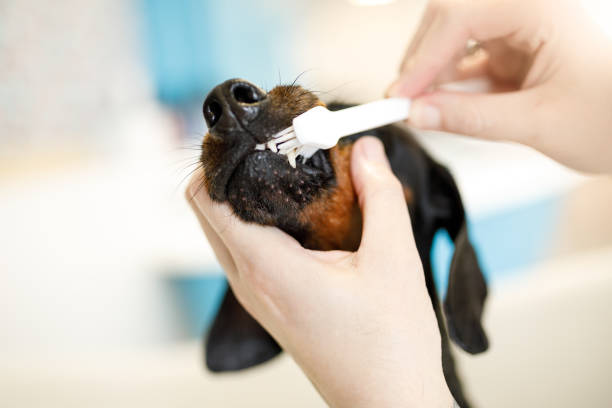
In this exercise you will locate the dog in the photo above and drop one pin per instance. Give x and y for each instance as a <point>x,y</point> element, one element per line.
<point>315,203</point>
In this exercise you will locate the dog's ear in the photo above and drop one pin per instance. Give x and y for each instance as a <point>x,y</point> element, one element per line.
<point>467,288</point>
<point>465,297</point>
<point>235,340</point>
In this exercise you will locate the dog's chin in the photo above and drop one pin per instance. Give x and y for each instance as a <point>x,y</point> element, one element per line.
<point>265,189</point>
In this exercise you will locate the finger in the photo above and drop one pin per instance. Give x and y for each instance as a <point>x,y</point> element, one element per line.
<point>502,116</point>
<point>444,34</point>
<point>436,47</point>
<point>386,223</point>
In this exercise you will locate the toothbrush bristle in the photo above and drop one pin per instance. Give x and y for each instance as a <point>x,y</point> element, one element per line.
<point>284,138</point>
<point>284,131</point>
<point>284,142</point>
<point>288,145</point>
<point>272,146</point>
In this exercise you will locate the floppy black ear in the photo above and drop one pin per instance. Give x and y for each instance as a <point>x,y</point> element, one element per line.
<point>235,340</point>
<point>467,288</point>
<point>465,297</point>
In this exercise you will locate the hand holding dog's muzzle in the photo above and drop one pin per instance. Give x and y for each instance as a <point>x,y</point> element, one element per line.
<point>360,324</point>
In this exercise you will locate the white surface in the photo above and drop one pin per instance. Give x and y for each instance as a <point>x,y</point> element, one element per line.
<point>550,337</point>
<point>172,376</point>
<point>494,176</point>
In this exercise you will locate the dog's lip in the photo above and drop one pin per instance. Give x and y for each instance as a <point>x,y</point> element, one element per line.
<point>232,167</point>
<point>247,145</point>
<point>302,167</point>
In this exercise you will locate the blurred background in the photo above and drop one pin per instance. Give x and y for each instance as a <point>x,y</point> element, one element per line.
<point>107,283</point>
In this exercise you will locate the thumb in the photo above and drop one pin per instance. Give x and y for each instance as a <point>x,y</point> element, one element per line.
<point>386,223</point>
<point>502,116</point>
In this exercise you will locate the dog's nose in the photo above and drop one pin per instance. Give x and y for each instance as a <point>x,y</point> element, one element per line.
<point>233,103</point>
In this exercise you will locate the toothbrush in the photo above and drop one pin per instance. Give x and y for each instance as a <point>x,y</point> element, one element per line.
<point>319,128</point>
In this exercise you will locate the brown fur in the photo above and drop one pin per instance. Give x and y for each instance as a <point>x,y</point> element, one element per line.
<point>214,147</point>
<point>292,100</point>
<point>334,218</point>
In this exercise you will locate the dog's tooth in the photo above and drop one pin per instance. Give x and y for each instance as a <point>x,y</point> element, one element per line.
<point>272,146</point>
<point>261,146</point>
<point>291,157</point>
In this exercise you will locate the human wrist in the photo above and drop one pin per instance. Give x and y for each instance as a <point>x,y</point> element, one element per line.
<point>391,388</point>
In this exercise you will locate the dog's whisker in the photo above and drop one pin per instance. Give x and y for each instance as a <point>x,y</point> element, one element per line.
<point>198,167</point>
<point>187,167</point>
<point>298,77</point>
<point>181,160</point>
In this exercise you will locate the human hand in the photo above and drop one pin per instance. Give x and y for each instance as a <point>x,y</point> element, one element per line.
<point>360,325</point>
<point>549,66</point>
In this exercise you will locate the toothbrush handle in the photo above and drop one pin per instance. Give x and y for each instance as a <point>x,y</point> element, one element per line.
<point>370,115</point>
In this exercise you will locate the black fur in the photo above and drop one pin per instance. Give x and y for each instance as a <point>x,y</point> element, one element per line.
<point>264,184</point>
<point>235,340</point>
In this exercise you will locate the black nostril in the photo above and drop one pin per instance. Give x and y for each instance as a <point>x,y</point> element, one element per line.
<point>231,103</point>
<point>212,112</point>
<point>246,93</point>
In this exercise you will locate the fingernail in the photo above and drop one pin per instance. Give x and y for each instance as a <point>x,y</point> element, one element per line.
<point>373,150</point>
<point>425,116</point>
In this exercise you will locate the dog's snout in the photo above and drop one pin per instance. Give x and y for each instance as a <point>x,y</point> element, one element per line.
<point>233,103</point>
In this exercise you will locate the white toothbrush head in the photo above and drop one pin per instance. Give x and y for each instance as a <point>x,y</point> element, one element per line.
<point>318,128</point>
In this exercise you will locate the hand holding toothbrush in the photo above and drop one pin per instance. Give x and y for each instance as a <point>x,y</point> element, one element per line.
<point>549,65</point>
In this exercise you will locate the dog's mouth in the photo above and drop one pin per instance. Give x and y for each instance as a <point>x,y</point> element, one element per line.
<point>240,118</point>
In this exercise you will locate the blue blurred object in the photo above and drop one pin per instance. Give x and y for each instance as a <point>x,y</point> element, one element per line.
<point>441,255</point>
<point>198,298</point>
<point>195,44</point>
